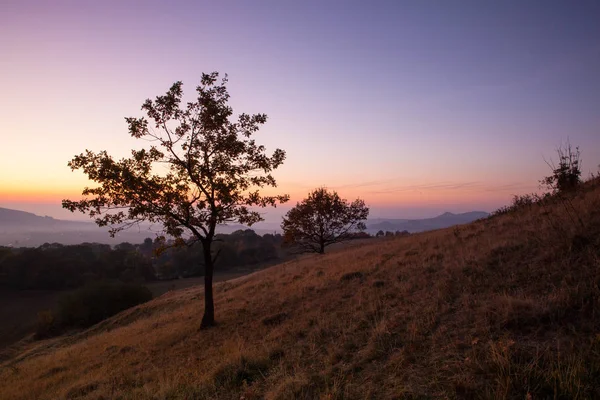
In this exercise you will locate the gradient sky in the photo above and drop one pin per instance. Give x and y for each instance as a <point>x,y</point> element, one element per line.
<point>418,107</point>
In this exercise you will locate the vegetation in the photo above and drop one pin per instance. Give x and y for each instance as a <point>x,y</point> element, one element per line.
<point>57,267</point>
<point>322,219</point>
<point>566,176</point>
<point>565,179</point>
<point>89,305</point>
<point>202,170</point>
<point>504,307</point>
<point>243,248</point>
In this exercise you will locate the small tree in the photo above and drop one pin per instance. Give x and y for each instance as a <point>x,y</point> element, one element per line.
<point>200,170</point>
<point>323,219</point>
<point>566,176</point>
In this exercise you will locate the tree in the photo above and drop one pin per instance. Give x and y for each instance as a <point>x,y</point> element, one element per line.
<point>323,219</point>
<point>199,170</point>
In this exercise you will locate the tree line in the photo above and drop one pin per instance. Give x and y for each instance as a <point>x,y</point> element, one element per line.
<point>57,267</point>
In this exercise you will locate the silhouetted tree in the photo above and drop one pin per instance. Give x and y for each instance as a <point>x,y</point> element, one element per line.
<point>321,220</point>
<point>200,170</point>
<point>380,233</point>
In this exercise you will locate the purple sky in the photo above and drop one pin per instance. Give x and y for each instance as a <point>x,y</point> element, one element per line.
<point>418,107</point>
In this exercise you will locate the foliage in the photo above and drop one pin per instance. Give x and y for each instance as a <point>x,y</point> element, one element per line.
<point>239,249</point>
<point>56,267</point>
<point>89,305</point>
<point>95,302</point>
<point>566,176</point>
<point>201,169</point>
<point>46,325</point>
<point>322,219</point>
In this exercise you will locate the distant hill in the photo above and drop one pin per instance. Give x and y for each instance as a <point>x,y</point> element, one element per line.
<point>419,225</point>
<point>24,229</point>
<point>15,219</point>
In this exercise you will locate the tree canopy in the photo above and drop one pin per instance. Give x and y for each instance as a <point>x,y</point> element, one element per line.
<point>322,219</point>
<point>199,170</point>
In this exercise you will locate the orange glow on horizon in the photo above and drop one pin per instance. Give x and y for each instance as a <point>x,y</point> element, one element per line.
<point>39,193</point>
<point>408,196</point>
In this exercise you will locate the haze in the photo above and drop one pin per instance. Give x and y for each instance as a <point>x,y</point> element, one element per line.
<point>418,107</point>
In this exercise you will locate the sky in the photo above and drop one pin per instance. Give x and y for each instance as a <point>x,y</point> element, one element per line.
<point>417,107</point>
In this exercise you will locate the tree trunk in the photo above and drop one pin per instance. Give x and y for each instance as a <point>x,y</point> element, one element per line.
<point>322,248</point>
<point>208,319</point>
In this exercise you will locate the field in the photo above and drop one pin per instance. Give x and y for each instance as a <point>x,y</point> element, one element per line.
<point>505,307</point>
<point>19,308</point>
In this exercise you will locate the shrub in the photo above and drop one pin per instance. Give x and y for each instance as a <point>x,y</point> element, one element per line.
<point>519,202</point>
<point>46,325</point>
<point>89,305</point>
<point>93,303</point>
<point>242,371</point>
<point>566,176</point>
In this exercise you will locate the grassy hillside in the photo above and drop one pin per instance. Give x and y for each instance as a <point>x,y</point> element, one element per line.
<point>506,307</point>
<point>19,308</point>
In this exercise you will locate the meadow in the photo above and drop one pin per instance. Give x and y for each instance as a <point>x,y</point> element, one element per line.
<point>505,307</point>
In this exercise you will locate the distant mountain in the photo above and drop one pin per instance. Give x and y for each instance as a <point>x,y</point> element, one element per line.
<point>24,229</point>
<point>419,225</point>
<point>21,220</point>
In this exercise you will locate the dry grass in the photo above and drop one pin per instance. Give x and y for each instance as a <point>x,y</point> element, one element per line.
<point>505,307</point>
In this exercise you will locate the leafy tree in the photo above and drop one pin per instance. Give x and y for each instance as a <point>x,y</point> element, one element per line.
<point>323,219</point>
<point>380,233</point>
<point>199,170</point>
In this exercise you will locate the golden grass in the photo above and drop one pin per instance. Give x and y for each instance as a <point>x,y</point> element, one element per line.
<point>505,307</point>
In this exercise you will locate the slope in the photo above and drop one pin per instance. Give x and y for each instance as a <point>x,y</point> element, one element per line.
<point>505,307</point>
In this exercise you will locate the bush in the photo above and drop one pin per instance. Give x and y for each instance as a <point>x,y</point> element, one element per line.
<point>89,305</point>
<point>46,325</point>
<point>566,176</point>
<point>519,202</point>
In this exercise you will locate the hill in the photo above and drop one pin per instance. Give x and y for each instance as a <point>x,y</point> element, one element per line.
<point>426,224</point>
<point>15,219</point>
<point>504,307</point>
<point>24,229</point>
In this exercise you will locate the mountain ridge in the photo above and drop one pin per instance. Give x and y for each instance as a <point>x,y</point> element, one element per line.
<point>22,228</point>
<point>444,220</point>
